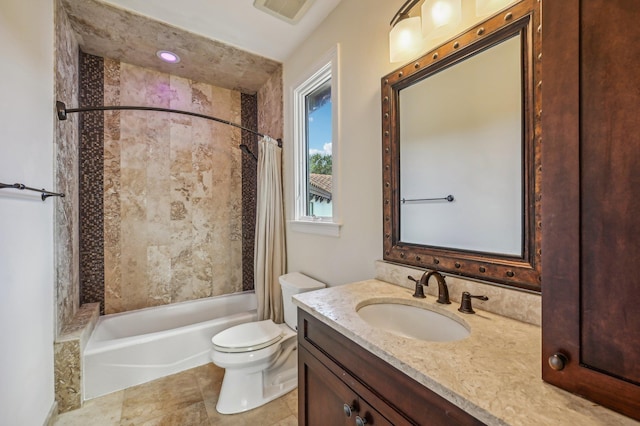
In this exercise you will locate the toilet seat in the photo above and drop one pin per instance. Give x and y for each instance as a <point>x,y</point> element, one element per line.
<point>247,337</point>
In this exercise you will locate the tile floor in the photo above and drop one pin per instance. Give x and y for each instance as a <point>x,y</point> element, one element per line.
<point>184,399</point>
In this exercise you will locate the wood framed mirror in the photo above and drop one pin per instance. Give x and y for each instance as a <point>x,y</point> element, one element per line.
<point>461,154</point>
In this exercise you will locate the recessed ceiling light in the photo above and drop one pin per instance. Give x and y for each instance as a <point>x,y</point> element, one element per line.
<point>168,56</point>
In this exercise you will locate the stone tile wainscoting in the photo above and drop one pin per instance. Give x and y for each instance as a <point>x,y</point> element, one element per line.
<point>68,349</point>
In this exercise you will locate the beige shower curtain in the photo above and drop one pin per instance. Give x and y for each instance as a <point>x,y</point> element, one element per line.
<point>269,252</point>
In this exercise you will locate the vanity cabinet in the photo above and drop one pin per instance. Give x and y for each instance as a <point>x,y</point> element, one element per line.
<point>336,376</point>
<point>333,401</point>
<point>591,200</point>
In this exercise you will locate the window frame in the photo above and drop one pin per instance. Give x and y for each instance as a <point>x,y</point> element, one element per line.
<point>326,68</point>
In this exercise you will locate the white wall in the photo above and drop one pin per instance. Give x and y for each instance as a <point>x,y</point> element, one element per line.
<point>361,29</point>
<point>26,223</point>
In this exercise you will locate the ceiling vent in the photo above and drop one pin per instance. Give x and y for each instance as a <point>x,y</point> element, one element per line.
<point>290,11</point>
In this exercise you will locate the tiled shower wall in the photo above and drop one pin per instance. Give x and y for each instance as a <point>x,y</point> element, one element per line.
<point>172,191</point>
<point>270,106</point>
<point>66,171</point>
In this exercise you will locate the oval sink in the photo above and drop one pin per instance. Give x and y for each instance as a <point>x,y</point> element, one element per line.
<point>412,321</point>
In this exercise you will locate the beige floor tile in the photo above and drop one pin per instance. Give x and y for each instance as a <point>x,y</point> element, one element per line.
<point>292,401</point>
<point>269,414</point>
<point>229,420</point>
<point>103,411</point>
<point>289,421</point>
<point>160,397</point>
<point>193,415</point>
<point>184,399</point>
<point>209,377</point>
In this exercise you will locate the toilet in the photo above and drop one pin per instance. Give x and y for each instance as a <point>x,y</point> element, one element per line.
<point>260,358</point>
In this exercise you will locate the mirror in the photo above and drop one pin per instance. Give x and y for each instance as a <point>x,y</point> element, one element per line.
<point>473,143</point>
<point>460,162</point>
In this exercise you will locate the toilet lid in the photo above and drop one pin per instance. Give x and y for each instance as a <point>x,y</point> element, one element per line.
<point>247,337</point>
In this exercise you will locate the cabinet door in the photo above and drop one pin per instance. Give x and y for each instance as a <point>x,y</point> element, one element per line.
<point>323,396</point>
<point>591,200</point>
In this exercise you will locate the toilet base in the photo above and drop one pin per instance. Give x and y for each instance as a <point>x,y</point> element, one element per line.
<point>242,391</point>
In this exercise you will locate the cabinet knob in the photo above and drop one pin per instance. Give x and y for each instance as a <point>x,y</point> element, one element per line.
<point>558,361</point>
<point>348,409</point>
<point>360,421</point>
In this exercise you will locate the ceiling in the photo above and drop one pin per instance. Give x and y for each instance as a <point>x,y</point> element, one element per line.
<point>235,22</point>
<point>227,43</point>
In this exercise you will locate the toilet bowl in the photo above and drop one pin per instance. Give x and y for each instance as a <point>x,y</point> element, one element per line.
<point>260,358</point>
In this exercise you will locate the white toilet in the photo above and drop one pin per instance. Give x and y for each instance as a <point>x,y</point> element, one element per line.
<point>260,358</point>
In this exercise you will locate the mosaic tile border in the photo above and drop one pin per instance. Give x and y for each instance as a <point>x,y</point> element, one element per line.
<point>91,164</point>
<point>249,119</point>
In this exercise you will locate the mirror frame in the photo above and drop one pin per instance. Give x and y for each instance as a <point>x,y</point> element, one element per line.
<point>515,271</point>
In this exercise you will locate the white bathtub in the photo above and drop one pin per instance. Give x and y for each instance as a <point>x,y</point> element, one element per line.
<point>134,347</point>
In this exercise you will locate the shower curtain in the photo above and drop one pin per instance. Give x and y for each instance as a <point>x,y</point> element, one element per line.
<point>269,252</point>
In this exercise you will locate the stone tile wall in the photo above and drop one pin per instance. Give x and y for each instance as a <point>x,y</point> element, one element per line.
<point>66,172</point>
<point>68,349</point>
<point>178,196</point>
<point>172,191</point>
<point>270,106</point>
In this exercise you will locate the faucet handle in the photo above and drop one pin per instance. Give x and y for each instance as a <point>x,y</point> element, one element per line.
<point>465,303</point>
<point>419,292</point>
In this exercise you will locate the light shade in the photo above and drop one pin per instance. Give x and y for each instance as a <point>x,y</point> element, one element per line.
<point>405,39</point>
<point>486,7</point>
<point>441,17</point>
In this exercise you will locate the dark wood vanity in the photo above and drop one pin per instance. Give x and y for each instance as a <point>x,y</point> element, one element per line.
<point>340,383</point>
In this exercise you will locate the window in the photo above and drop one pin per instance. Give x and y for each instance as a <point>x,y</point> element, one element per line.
<point>315,150</point>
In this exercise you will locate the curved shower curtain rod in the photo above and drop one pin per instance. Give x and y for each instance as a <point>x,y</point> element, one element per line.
<point>62,111</point>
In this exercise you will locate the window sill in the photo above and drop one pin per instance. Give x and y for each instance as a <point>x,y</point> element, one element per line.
<point>330,229</point>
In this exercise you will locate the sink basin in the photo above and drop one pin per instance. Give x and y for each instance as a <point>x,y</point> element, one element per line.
<point>412,321</point>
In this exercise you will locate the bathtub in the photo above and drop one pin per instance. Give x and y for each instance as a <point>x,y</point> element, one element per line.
<point>135,347</point>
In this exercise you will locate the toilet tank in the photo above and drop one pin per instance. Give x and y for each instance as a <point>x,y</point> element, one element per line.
<point>295,283</point>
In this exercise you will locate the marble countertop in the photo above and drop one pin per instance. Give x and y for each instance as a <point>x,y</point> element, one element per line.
<point>494,374</point>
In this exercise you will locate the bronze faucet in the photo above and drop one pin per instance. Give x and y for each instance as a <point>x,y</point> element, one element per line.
<point>443,290</point>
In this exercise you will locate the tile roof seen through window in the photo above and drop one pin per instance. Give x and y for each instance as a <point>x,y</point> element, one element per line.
<point>320,186</point>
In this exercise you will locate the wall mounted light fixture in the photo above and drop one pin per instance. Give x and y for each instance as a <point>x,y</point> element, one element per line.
<point>437,18</point>
<point>440,17</point>
<point>405,36</point>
